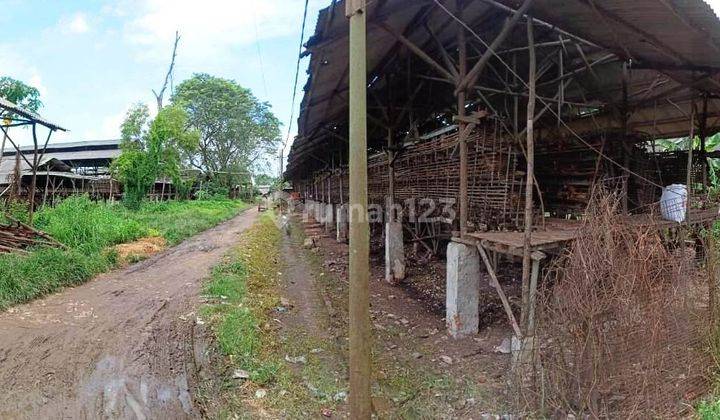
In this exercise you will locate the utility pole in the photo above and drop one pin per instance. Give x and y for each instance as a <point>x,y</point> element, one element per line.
<point>360,364</point>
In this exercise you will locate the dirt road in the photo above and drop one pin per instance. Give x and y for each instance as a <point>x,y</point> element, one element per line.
<point>120,346</point>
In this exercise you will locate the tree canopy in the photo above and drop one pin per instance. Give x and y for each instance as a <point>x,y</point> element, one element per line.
<point>236,129</point>
<point>20,94</point>
<point>153,149</point>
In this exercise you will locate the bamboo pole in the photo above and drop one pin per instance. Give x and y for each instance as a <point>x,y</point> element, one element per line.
<point>703,137</point>
<point>689,164</point>
<point>359,305</point>
<point>530,151</point>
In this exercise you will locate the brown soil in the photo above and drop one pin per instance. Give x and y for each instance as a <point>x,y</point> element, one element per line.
<point>120,346</point>
<point>408,327</point>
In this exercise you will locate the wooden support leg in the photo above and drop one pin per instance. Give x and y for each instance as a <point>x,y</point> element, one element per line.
<point>533,297</point>
<point>501,293</point>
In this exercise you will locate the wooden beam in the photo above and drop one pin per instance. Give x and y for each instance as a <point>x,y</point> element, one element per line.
<point>496,284</point>
<point>449,64</point>
<point>416,50</point>
<point>473,74</point>
<point>542,23</point>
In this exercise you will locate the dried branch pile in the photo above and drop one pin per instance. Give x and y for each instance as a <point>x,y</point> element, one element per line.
<point>17,237</point>
<point>623,325</point>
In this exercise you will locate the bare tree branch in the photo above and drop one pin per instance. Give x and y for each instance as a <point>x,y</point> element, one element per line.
<point>159,95</point>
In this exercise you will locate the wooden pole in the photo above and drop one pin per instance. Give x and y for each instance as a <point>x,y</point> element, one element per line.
<point>47,184</point>
<point>2,148</point>
<point>703,137</point>
<point>501,293</point>
<point>31,195</point>
<point>461,93</point>
<point>690,163</point>
<point>390,213</point>
<point>468,79</point>
<point>359,304</point>
<point>530,150</point>
<point>626,149</point>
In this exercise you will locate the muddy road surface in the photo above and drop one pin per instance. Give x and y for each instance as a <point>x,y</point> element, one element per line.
<point>120,346</point>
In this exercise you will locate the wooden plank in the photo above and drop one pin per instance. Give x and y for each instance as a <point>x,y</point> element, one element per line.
<point>495,283</point>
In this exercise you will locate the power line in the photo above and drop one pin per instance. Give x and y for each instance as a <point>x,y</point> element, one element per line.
<point>257,45</point>
<point>297,75</point>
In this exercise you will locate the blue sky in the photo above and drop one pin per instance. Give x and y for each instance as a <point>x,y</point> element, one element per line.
<point>92,59</point>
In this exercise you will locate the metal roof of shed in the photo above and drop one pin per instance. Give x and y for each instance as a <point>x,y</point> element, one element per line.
<point>672,47</point>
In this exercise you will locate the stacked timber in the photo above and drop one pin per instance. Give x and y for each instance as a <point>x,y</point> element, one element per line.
<point>17,237</point>
<point>567,170</point>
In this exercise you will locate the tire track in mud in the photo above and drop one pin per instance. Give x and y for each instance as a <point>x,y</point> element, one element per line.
<point>119,346</point>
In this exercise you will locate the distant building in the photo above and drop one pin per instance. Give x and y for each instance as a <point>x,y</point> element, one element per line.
<point>63,169</point>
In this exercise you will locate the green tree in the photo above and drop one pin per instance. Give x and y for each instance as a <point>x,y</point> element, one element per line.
<point>236,129</point>
<point>20,94</point>
<point>153,149</point>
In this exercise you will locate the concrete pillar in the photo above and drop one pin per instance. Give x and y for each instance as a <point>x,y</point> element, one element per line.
<point>394,252</point>
<point>309,210</point>
<point>329,218</point>
<point>463,290</point>
<point>319,213</point>
<point>342,223</point>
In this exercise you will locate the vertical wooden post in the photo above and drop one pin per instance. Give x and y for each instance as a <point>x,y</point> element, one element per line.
<point>2,147</point>
<point>703,137</point>
<point>359,305</point>
<point>690,163</point>
<point>391,169</point>
<point>33,183</point>
<point>47,184</point>
<point>529,181</point>
<point>625,145</point>
<point>462,67</point>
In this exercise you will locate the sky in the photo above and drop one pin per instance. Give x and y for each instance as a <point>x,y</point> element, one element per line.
<point>93,59</point>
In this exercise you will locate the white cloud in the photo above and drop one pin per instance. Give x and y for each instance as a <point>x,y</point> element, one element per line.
<point>74,24</point>
<point>17,66</point>
<point>210,28</point>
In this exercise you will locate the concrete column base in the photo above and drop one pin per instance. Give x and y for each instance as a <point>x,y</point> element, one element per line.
<point>319,212</point>
<point>342,223</point>
<point>394,252</point>
<point>329,218</point>
<point>309,210</point>
<point>463,290</point>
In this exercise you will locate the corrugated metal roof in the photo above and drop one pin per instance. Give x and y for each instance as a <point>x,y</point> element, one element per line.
<point>10,107</point>
<point>63,156</point>
<point>7,167</point>
<point>673,47</point>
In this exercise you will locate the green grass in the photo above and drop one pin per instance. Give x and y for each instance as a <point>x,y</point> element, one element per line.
<point>90,229</point>
<point>244,284</point>
<point>245,289</point>
<point>708,410</point>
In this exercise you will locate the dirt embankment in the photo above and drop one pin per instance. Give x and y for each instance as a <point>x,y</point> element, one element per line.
<point>120,346</point>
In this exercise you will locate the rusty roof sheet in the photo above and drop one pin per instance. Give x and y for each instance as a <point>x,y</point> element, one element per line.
<point>673,46</point>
